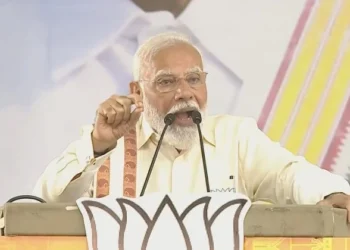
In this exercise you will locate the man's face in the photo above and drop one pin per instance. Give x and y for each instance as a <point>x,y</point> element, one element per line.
<point>173,6</point>
<point>176,84</point>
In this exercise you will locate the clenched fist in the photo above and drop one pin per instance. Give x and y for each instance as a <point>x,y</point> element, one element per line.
<point>113,118</point>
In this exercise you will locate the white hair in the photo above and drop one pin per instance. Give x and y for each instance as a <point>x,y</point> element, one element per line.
<point>152,46</point>
<point>181,137</point>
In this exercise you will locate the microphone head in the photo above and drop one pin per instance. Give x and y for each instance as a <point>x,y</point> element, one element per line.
<point>196,117</point>
<point>169,119</point>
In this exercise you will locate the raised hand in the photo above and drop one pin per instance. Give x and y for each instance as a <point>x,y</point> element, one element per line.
<point>113,118</point>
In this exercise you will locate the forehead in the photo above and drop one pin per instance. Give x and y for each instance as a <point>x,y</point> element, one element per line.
<point>177,59</point>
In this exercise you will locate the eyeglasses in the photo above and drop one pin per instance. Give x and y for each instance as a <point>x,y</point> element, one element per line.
<point>168,82</point>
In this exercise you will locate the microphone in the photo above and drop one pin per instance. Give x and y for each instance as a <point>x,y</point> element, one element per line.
<point>168,120</point>
<point>197,119</point>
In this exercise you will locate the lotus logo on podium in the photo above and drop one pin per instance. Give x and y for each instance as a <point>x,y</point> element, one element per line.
<point>158,221</point>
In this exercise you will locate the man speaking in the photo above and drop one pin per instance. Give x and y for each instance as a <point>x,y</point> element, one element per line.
<point>167,108</point>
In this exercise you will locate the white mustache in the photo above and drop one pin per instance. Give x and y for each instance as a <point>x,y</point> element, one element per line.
<point>179,106</point>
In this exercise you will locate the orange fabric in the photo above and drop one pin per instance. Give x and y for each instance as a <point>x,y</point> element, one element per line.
<point>130,163</point>
<point>102,187</point>
<point>79,243</point>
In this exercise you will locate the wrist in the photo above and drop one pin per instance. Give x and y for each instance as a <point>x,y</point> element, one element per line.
<point>101,147</point>
<point>100,153</point>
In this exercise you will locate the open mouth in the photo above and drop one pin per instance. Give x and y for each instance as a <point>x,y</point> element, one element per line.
<point>183,116</point>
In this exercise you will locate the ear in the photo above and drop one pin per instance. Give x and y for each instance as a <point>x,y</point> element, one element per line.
<point>135,88</point>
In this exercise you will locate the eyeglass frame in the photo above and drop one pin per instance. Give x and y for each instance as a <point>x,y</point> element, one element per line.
<point>178,80</point>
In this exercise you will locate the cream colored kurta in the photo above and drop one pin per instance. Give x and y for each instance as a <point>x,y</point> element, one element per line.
<point>240,158</point>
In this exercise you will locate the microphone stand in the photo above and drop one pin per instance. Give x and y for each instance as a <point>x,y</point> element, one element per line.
<point>197,119</point>
<point>168,120</point>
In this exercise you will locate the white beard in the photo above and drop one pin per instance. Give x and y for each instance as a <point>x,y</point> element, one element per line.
<point>180,137</point>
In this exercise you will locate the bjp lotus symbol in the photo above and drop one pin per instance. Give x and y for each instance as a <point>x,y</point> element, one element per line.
<point>213,221</point>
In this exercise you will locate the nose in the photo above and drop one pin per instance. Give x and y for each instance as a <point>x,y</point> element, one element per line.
<point>184,92</point>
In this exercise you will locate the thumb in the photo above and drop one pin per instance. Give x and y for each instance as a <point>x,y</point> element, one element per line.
<point>135,116</point>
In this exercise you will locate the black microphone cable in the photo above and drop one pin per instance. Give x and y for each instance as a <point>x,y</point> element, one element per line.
<point>168,120</point>
<point>197,119</point>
